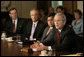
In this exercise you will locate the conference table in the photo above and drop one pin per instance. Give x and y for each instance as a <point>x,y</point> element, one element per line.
<point>15,49</point>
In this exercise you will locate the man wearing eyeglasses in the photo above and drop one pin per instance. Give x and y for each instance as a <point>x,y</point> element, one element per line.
<point>14,25</point>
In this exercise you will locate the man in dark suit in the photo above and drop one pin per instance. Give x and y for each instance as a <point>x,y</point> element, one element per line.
<point>62,38</point>
<point>49,28</point>
<point>14,25</point>
<point>35,27</point>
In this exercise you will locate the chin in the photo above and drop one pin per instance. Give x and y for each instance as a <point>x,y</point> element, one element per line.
<point>34,21</point>
<point>57,28</point>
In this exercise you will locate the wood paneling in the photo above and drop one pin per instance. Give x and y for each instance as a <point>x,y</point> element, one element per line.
<point>43,4</point>
<point>70,6</point>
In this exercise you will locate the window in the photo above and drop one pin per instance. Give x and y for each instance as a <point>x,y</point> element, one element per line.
<point>55,4</point>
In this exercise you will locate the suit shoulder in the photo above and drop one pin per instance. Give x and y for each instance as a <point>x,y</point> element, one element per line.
<point>8,21</point>
<point>70,31</point>
<point>21,19</point>
<point>41,23</point>
<point>47,28</point>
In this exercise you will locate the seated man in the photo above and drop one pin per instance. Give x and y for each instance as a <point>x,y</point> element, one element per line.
<point>62,38</point>
<point>14,25</point>
<point>49,28</point>
<point>35,27</point>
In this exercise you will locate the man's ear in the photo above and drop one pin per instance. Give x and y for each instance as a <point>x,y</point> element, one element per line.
<point>9,14</point>
<point>64,22</point>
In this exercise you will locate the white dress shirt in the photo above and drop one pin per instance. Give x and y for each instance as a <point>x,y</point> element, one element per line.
<point>51,27</point>
<point>16,20</point>
<point>32,27</point>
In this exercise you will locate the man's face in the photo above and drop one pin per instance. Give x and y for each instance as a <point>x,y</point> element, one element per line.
<point>50,21</point>
<point>59,10</point>
<point>51,10</point>
<point>13,14</point>
<point>59,23</point>
<point>34,15</point>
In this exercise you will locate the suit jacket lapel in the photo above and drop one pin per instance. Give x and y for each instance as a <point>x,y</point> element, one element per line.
<point>18,23</point>
<point>63,32</point>
<point>37,27</point>
<point>11,25</point>
<point>30,26</point>
<point>47,30</point>
<point>62,36</point>
<point>55,35</point>
<point>44,35</point>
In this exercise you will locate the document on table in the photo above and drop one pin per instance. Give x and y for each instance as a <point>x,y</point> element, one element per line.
<point>69,55</point>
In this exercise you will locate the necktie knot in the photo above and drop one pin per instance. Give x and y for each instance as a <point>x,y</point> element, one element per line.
<point>34,25</point>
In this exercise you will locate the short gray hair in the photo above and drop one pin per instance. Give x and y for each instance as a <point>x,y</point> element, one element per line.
<point>62,15</point>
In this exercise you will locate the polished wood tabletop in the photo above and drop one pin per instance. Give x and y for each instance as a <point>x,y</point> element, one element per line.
<point>14,49</point>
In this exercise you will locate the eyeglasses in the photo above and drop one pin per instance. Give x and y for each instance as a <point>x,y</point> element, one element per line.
<point>58,20</point>
<point>50,20</point>
<point>13,13</point>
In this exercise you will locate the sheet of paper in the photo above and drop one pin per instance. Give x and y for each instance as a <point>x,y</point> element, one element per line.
<point>69,55</point>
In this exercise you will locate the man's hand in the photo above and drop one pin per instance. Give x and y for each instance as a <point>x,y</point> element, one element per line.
<point>35,45</point>
<point>39,47</point>
<point>42,48</point>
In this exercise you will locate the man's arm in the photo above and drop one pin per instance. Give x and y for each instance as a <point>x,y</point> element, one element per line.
<point>67,43</point>
<point>49,39</point>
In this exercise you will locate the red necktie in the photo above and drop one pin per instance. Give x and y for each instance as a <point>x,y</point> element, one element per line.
<point>58,38</point>
<point>14,27</point>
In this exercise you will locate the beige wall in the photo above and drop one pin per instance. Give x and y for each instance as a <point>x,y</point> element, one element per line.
<point>26,7</point>
<point>80,5</point>
<point>23,7</point>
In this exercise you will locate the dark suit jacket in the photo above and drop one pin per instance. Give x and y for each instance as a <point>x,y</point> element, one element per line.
<point>38,31</point>
<point>44,33</point>
<point>69,18</point>
<point>67,40</point>
<point>21,23</point>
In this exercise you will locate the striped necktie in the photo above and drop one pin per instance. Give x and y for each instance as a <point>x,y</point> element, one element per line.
<point>14,27</point>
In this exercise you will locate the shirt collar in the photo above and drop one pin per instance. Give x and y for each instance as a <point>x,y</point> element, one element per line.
<point>14,20</point>
<point>51,27</point>
<point>60,30</point>
<point>35,22</point>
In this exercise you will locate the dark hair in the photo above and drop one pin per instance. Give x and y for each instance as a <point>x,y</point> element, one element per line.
<point>12,9</point>
<point>51,14</point>
<point>79,12</point>
<point>60,7</point>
